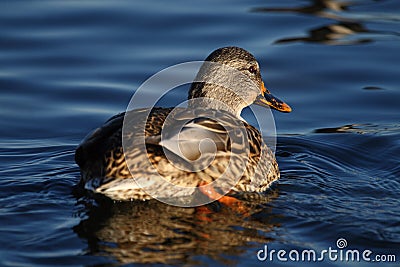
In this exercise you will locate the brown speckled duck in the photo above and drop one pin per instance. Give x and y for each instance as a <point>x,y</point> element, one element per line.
<point>107,170</point>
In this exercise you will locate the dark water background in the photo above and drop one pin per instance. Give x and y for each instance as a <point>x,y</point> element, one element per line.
<point>67,66</point>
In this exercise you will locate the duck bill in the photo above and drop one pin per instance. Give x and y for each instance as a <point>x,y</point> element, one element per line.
<point>266,99</point>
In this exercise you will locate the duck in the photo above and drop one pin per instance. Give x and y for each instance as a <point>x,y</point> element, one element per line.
<point>205,149</point>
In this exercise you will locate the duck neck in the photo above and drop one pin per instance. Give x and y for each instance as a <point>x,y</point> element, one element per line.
<point>211,96</point>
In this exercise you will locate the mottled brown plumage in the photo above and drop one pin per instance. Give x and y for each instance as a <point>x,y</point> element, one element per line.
<point>111,159</point>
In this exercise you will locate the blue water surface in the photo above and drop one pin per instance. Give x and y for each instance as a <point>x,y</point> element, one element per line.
<point>67,66</point>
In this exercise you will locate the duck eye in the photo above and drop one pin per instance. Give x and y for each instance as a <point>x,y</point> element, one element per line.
<point>253,69</point>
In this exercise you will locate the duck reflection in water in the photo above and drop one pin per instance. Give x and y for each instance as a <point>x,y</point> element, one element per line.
<point>154,232</point>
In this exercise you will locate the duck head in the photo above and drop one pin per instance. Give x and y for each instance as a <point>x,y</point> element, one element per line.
<point>231,76</point>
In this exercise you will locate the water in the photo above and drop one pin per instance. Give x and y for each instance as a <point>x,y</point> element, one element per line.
<point>67,66</point>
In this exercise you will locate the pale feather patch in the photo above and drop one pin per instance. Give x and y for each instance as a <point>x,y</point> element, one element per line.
<point>195,139</point>
<point>125,184</point>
